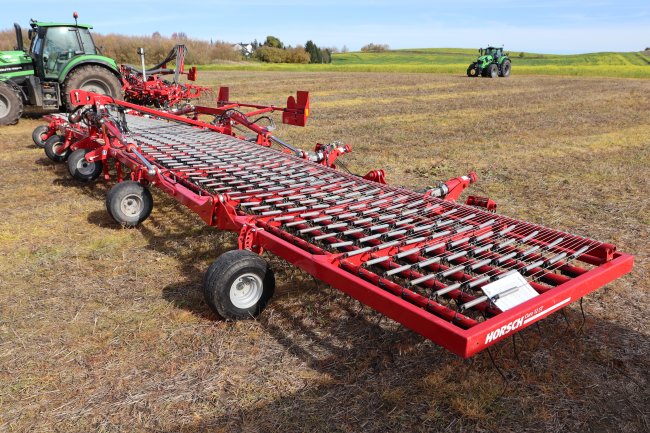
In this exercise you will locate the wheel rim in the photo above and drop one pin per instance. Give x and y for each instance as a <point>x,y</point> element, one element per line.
<point>132,205</point>
<point>4,106</point>
<point>57,148</point>
<point>246,291</point>
<point>95,86</point>
<point>84,167</point>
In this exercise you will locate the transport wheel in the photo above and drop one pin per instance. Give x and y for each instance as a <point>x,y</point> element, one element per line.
<point>129,203</point>
<point>92,78</point>
<point>238,285</point>
<point>54,148</point>
<point>11,105</point>
<point>472,71</point>
<point>505,69</point>
<point>81,169</point>
<point>493,71</point>
<point>40,135</point>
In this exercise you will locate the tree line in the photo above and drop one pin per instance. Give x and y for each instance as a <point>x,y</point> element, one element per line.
<point>124,49</point>
<point>273,50</point>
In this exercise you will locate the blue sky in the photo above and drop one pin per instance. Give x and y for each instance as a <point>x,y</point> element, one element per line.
<point>550,26</point>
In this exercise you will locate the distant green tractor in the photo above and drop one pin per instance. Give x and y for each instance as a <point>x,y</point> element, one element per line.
<point>61,57</point>
<point>491,63</point>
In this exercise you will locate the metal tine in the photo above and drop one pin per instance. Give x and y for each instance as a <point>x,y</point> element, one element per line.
<point>481,299</point>
<point>445,290</point>
<point>397,270</point>
<point>451,257</point>
<point>545,263</point>
<point>311,207</point>
<point>343,208</point>
<point>426,249</point>
<point>425,263</point>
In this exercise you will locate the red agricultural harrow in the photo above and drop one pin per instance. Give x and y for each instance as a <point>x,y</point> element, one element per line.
<point>147,87</point>
<point>458,274</point>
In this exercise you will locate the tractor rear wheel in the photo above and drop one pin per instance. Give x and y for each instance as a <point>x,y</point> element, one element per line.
<point>11,104</point>
<point>92,78</point>
<point>493,71</point>
<point>472,70</point>
<point>505,69</point>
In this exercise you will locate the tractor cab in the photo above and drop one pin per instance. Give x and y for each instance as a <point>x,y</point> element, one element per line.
<point>495,52</point>
<point>54,45</point>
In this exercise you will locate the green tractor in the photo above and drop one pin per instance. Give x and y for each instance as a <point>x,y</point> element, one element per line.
<point>61,57</point>
<point>491,63</point>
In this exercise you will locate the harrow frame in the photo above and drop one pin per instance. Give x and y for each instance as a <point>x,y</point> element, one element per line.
<point>148,88</point>
<point>346,269</point>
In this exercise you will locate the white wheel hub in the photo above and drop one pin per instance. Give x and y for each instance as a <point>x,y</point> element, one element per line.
<point>84,167</point>
<point>58,148</point>
<point>131,205</point>
<point>246,291</point>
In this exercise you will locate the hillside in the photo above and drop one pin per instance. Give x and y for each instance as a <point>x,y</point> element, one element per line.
<point>455,60</point>
<point>445,56</point>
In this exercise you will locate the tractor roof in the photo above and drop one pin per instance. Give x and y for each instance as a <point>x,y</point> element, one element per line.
<point>42,24</point>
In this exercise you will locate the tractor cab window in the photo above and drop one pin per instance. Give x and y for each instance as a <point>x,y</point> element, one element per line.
<point>87,41</point>
<point>37,45</point>
<point>60,45</point>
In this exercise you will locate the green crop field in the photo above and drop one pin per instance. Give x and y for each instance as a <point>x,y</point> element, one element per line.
<point>456,60</point>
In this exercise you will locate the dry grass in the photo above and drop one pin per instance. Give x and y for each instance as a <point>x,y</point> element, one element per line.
<point>104,329</point>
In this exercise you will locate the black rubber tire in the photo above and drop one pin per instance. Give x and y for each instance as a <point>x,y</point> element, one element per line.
<point>472,71</point>
<point>37,135</point>
<point>506,67</point>
<point>51,146</point>
<point>95,78</point>
<point>222,276</point>
<point>81,169</point>
<point>129,194</point>
<point>492,71</point>
<point>11,104</point>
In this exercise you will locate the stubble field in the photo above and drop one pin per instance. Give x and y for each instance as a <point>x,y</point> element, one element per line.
<point>105,329</point>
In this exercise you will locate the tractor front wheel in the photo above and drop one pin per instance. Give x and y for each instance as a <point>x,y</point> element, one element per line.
<point>505,69</point>
<point>472,70</point>
<point>11,105</point>
<point>92,78</point>
<point>493,71</point>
